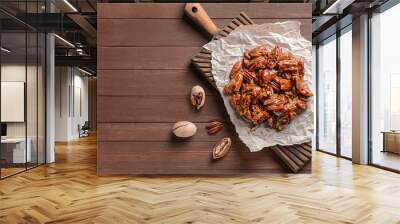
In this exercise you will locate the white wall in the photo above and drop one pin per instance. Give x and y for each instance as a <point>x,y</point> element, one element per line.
<point>80,109</point>
<point>16,73</point>
<point>33,127</point>
<point>62,82</point>
<point>9,73</point>
<point>71,102</point>
<point>13,72</point>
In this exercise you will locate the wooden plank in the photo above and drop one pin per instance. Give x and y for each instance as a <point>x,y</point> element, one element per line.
<point>156,132</point>
<point>299,155</point>
<point>157,109</point>
<point>153,32</point>
<point>290,164</point>
<point>142,83</point>
<point>307,147</point>
<point>139,10</point>
<point>303,151</point>
<point>144,57</point>
<point>175,32</point>
<point>260,10</point>
<point>214,10</point>
<point>176,157</point>
<point>293,157</point>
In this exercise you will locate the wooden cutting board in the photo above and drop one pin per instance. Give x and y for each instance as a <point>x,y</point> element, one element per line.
<point>293,157</point>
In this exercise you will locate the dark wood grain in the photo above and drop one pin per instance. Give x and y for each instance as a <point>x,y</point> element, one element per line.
<point>92,107</point>
<point>149,82</point>
<point>181,158</point>
<point>156,132</point>
<point>150,30</point>
<point>153,32</point>
<point>214,10</point>
<point>144,57</point>
<point>144,79</point>
<point>156,109</point>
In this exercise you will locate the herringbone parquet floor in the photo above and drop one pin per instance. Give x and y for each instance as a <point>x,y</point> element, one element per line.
<point>70,192</point>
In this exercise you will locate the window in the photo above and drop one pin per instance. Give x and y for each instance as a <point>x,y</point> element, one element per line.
<point>327,96</point>
<point>346,92</point>
<point>334,106</point>
<point>394,101</point>
<point>385,89</point>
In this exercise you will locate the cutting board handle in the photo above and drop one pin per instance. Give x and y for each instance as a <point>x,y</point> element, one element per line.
<point>198,15</point>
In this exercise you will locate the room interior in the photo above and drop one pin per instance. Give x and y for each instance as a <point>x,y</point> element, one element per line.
<point>22,102</point>
<point>86,128</point>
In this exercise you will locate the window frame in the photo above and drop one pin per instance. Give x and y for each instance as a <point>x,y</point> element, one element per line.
<point>336,38</point>
<point>381,9</point>
<point>27,29</point>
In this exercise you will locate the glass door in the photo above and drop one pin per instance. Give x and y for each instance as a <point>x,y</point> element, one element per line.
<point>14,153</point>
<point>23,90</point>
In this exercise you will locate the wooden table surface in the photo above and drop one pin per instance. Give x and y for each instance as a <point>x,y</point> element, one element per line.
<point>144,80</point>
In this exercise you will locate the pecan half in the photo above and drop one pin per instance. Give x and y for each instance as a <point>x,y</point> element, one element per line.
<point>249,76</point>
<point>222,148</point>
<point>197,97</point>
<point>214,127</point>
<point>236,68</point>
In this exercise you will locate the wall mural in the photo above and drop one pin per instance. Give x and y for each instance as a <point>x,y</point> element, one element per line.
<point>157,115</point>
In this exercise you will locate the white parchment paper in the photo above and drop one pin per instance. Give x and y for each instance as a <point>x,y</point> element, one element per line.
<point>226,51</point>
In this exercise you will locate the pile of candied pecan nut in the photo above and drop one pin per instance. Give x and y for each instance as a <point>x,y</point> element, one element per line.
<point>267,86</point>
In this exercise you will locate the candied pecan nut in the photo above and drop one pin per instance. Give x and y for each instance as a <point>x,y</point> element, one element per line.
<point>236,68</point>
<point>285,84</point>
<point>268,87</point>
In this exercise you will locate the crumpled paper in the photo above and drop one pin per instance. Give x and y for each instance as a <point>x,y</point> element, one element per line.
<point>226,51</point>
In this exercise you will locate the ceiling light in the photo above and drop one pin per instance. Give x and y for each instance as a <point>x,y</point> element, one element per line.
<point>84,71</point>
<point>70,5</point>
<point>5,50</point>
<point>64,40</point>
<point>79,51</point>
<point>337,7</point>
